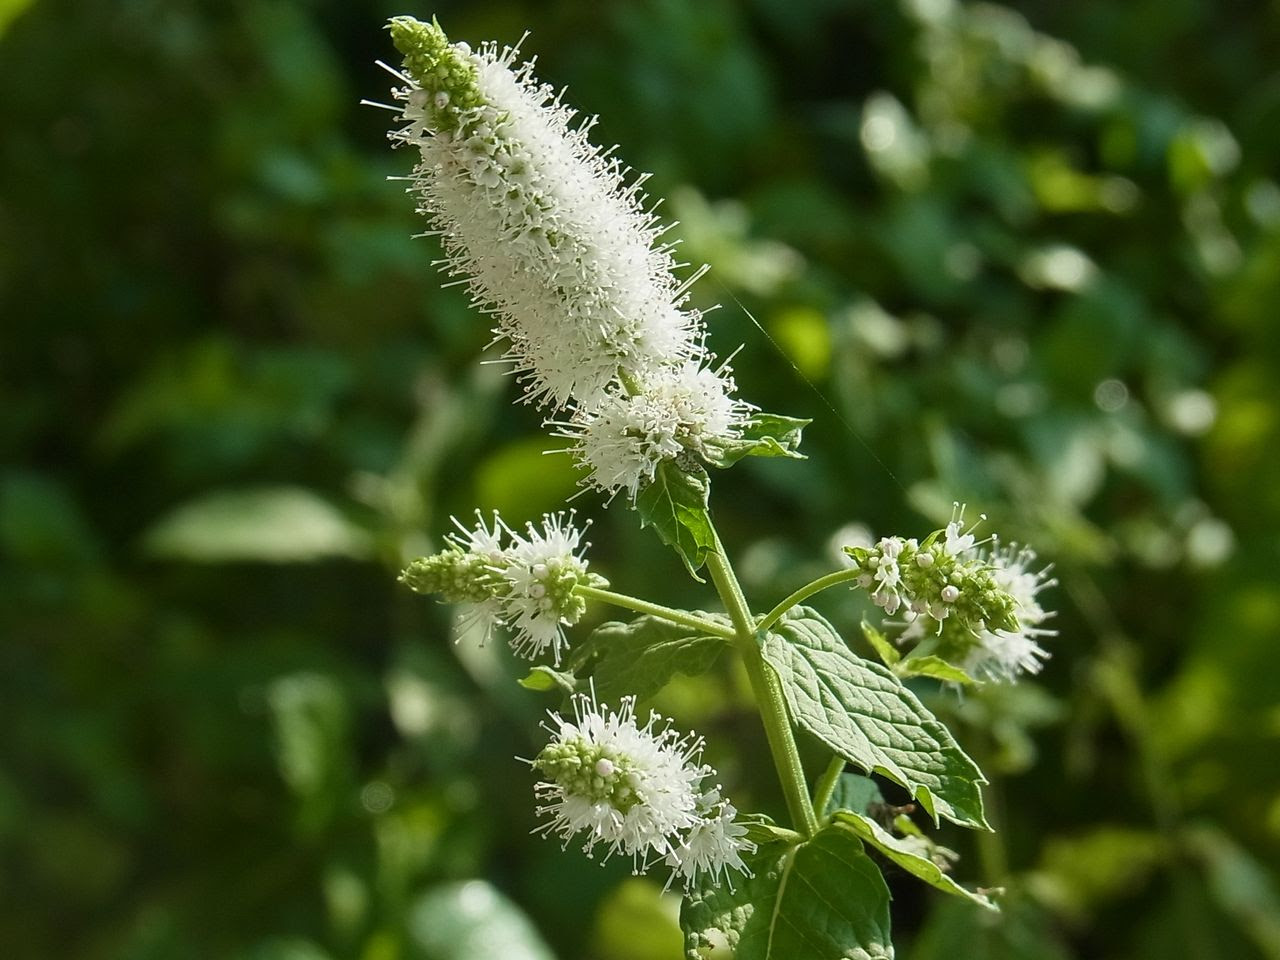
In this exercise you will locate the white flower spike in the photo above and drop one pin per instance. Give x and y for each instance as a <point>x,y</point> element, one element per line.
<point>541,572</point>
<point>1004,655</point>
<point>676,409</point>
<point>557,246</point>
<point>542,225</point>
<point>635,790</point>
<point>523,583</point>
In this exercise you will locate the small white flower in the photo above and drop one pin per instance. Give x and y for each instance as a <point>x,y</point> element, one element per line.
<point>623,438</point>
<point>503,579</point>
<point>977,599</point>
<point>541,572</point>
<point>714,847</point>
<point>887,576</point>
<point>1004,655</point>
<point>957,540</point>
<point>647,796</point>
<point>636,790</point>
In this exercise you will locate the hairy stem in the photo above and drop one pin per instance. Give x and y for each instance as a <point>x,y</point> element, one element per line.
<point>808,590</point>
<point>682,617</point>
<point>768,691</point>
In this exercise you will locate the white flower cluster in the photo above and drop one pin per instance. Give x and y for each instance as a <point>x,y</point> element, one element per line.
<point>553,241</point>
<point>1003,655</point>
<point>978,601</point>
<point>523,582</point>
<point>623,439</point>
<point>637,790</point>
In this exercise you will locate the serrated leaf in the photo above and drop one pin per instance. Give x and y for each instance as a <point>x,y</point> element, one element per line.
<point>821,900</point>
<point>864,713</point>
<point>931,666</point>
<point>904,851</point>
<point>719,919</point>
<point>640,657</point>
<point>543,679</point>
<point>884,649</point>
<point>763,435</point>
<point>675,505</point>
<point>854,792</point>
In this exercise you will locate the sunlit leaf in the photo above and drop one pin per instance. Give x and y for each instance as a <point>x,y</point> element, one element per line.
<point>860,710</point>
<point>763,435</point>
<point>261,524</point>
<point>544,679</point>
<point>931,666</point>
<point>640,657</point>
<point>675,505</point>
<point>471,921</point>
<point>906,852</point>
<point>884,649</point>
<point>822,899</point>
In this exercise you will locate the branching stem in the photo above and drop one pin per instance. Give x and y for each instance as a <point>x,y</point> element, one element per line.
<point>826,785</point>
<point>768,691</point>
<point>682,617</point>
<point>805,592</point>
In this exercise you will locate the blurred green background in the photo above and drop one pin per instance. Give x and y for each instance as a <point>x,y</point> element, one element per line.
<point>1024,256</point>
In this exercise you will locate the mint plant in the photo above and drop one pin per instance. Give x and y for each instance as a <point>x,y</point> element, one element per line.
<point>552,237</point>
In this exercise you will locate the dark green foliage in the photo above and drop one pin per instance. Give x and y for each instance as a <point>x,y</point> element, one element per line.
<point>639,658</point>
<point>674,504</point>
<point>1024,256</point>
<point>821,898</point>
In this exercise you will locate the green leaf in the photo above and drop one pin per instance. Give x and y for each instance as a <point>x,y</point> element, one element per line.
<point>261,524</point>
<point>854,792</point>
<point>675,505</point>
<point>543,679</point>
<point>640,657</point>
<point>9,10</point>
<point>884,649</point>
<point>471,920</point>
<point>312,721</point>
<point>821,900</point>
<point>860,710</point>
<point>1241,884</point>
<point>634,922</point>
<point>761,830</point>
<point>763,435</point>
<point>906,853</point>
<point>931,666</point>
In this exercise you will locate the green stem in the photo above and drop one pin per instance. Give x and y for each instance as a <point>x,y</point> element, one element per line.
<point>808,590</point>
<point>826,785</point>
<point>768,691</point>
<point>790,836</point>
<point>681,617</point>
